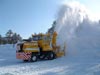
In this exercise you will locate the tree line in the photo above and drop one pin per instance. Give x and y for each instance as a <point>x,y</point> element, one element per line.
<point>10,38</point>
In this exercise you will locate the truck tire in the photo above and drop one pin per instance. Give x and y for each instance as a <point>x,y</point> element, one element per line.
<point>25,60</point>
<point>42,57</point>
<point>51,56</point>
<point>34,58</point>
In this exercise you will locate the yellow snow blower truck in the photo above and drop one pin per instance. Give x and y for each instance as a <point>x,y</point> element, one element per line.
<point>41,46</point>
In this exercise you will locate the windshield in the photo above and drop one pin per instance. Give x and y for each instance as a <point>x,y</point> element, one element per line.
<point>35,38</point>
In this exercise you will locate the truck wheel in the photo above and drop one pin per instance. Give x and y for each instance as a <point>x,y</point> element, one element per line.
<point>51,55</point>
<point>34,58</point>
<point>25,60</point>
<point>42,57</point>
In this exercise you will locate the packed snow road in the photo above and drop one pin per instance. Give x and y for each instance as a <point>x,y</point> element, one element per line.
<point>9,65</point>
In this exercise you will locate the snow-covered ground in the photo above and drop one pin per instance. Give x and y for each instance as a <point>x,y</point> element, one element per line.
<point>82,36</point>
<point>89,64</point>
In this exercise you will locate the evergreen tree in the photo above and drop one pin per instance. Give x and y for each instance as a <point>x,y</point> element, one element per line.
<point>0,39</point>
<point>16,37</point>
<point>19,38</point>
<point>9,35</point>
<point>51,30</point>
<point>10,38</point>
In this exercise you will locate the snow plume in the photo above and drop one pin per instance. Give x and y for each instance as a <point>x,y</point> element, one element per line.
<point>76,27</point>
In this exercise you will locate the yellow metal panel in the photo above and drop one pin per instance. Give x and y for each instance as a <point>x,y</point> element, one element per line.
<point>54,39</point>
<point>60,54</point>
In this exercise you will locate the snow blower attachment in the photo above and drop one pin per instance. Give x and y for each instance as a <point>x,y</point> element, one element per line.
<point>42,46</point>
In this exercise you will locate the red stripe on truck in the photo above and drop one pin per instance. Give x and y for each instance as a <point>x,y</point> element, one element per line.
<point>23,55</point>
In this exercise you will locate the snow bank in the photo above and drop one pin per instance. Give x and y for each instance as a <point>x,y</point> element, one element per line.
<point>78,29</point>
